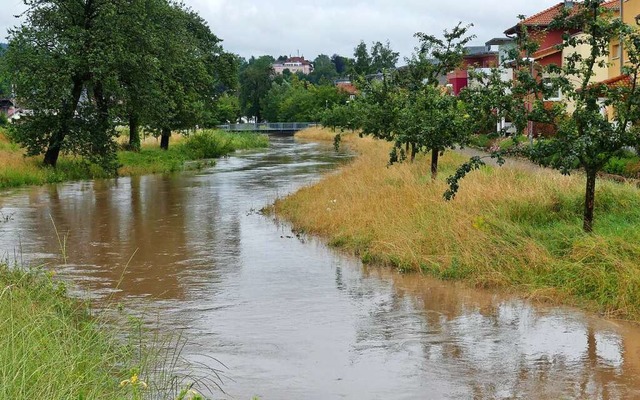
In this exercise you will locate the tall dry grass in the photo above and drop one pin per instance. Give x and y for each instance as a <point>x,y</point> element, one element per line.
<point>508,227</point>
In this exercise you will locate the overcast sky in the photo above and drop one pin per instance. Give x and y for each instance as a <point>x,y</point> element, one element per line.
<point>312,27</point>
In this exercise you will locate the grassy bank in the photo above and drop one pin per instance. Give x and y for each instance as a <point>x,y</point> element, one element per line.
<point>53,347</point>
<point>49,346</point>
<point>18,170</point>
<point>517,229</point>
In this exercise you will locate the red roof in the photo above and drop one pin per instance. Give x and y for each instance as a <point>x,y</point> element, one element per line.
<point>347,87</point>
<point>298,60</point>
<point>545,17</point>
<point>619,81</point>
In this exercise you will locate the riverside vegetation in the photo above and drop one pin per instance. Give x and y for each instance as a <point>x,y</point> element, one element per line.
<point>511,227</point>
<point>54,347</point>
<point>18,170</point>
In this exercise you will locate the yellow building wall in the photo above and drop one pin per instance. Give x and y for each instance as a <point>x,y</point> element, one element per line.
<point>630,10</point>
<point>601,73</point>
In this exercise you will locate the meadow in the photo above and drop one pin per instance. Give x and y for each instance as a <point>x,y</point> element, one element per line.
<point>510,228</point>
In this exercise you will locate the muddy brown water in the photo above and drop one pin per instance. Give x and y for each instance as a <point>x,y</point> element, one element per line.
<point>291,318</point>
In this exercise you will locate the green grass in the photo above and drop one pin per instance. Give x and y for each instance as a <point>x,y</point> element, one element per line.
<point>205,145</point>
<point>17,170</point>
<point>54,347</point>
<point>50,348</point>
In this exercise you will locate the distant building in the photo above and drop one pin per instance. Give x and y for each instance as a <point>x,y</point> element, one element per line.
<point>6,107</point>
<point>294,65</point>
<point>346,86</point>
<point>480,59</point>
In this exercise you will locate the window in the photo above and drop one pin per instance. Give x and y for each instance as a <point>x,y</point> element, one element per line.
<point>552,93</point>
<point>615,51</point>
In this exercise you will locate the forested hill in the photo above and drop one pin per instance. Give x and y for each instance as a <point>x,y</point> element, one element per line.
<point>3,46</point>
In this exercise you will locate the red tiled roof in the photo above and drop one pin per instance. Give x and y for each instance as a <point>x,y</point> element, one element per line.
<point>620,80</point>
<point>298,59</point>
<point>545,17</point>
<point>349,88</point>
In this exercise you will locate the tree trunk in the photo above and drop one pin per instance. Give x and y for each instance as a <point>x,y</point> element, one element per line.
<point>435,154</point>
<point>164,139</point>
<point>66,115</point>
<point>134,134</point>
<point>53,150</point>
<point>414,151</point>
<point>589,200</point>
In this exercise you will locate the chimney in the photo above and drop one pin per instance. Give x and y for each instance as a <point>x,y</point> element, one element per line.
<point>568,4</point>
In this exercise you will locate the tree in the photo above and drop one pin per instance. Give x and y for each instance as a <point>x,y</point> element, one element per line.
<point>342,64</point>
<point>362,60</point>
<point>194,70</point>
<point>324,71</point>
<point>5,86</point>
<point>433,58</point>
<point>255,82</point>
<point>604,116</point>
<point>383,57</point>
<point>63,65</point>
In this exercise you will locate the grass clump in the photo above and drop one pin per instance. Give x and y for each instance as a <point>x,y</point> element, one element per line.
<point>54,347</point>
<point>511,227</point>
<point>50,348</point>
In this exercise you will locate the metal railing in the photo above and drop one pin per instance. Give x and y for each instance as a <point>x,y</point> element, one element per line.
<point>268,127</point>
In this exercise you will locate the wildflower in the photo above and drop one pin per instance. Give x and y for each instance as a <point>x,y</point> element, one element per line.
<point>134,381</point>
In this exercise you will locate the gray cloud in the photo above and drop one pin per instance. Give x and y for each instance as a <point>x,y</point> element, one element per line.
<point>277,27</point>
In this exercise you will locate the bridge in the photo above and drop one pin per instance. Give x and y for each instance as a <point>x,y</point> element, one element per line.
<point>269,127</point>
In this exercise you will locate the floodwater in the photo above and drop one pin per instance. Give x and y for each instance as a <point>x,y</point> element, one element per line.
<point>292,319</point>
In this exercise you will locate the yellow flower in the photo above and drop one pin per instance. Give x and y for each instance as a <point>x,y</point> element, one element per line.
<point>134,381</point>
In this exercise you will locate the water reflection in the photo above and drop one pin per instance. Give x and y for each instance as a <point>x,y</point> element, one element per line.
<point>292,319</point>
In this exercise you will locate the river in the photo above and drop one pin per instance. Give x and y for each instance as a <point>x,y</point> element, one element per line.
<point>291,318</point>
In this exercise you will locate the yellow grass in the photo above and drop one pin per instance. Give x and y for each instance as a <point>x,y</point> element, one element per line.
<point>508,227</point>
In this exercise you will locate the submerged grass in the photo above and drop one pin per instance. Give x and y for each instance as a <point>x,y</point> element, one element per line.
<point>18,170</point>
<point>510,228</point>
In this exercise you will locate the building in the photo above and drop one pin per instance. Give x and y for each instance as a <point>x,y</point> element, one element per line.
<point>294,65</point>
<point>552,52</point>
<point>480,58</point>
<point>630,14</point>
<point>6,107</point>
<point>346,86</point>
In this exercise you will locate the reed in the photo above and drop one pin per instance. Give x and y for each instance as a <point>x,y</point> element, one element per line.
<point>514,228</point>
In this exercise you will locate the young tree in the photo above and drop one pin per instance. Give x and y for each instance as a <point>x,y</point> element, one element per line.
<point>603,118</point>
<point>431,120</point>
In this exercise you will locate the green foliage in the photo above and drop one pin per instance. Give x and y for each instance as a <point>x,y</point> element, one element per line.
<point>297,101</point>
<point>381,58</point>
<point>255,83</point>
<point>49,346</point>
<point>586,138</point>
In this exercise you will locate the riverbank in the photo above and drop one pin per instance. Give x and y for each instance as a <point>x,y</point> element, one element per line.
<point>50,347</point>
<point>194,151</point>
<point>509,228</point>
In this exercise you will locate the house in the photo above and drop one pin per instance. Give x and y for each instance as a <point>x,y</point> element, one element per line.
<point>550,51</point>
<point>294,65</point>
<point>346,86</point>
<point>6,105</point>
<point>630,14</point>
<point>491,55</point>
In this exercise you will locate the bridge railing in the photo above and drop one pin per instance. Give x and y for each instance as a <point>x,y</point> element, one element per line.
<point>267,127</point>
